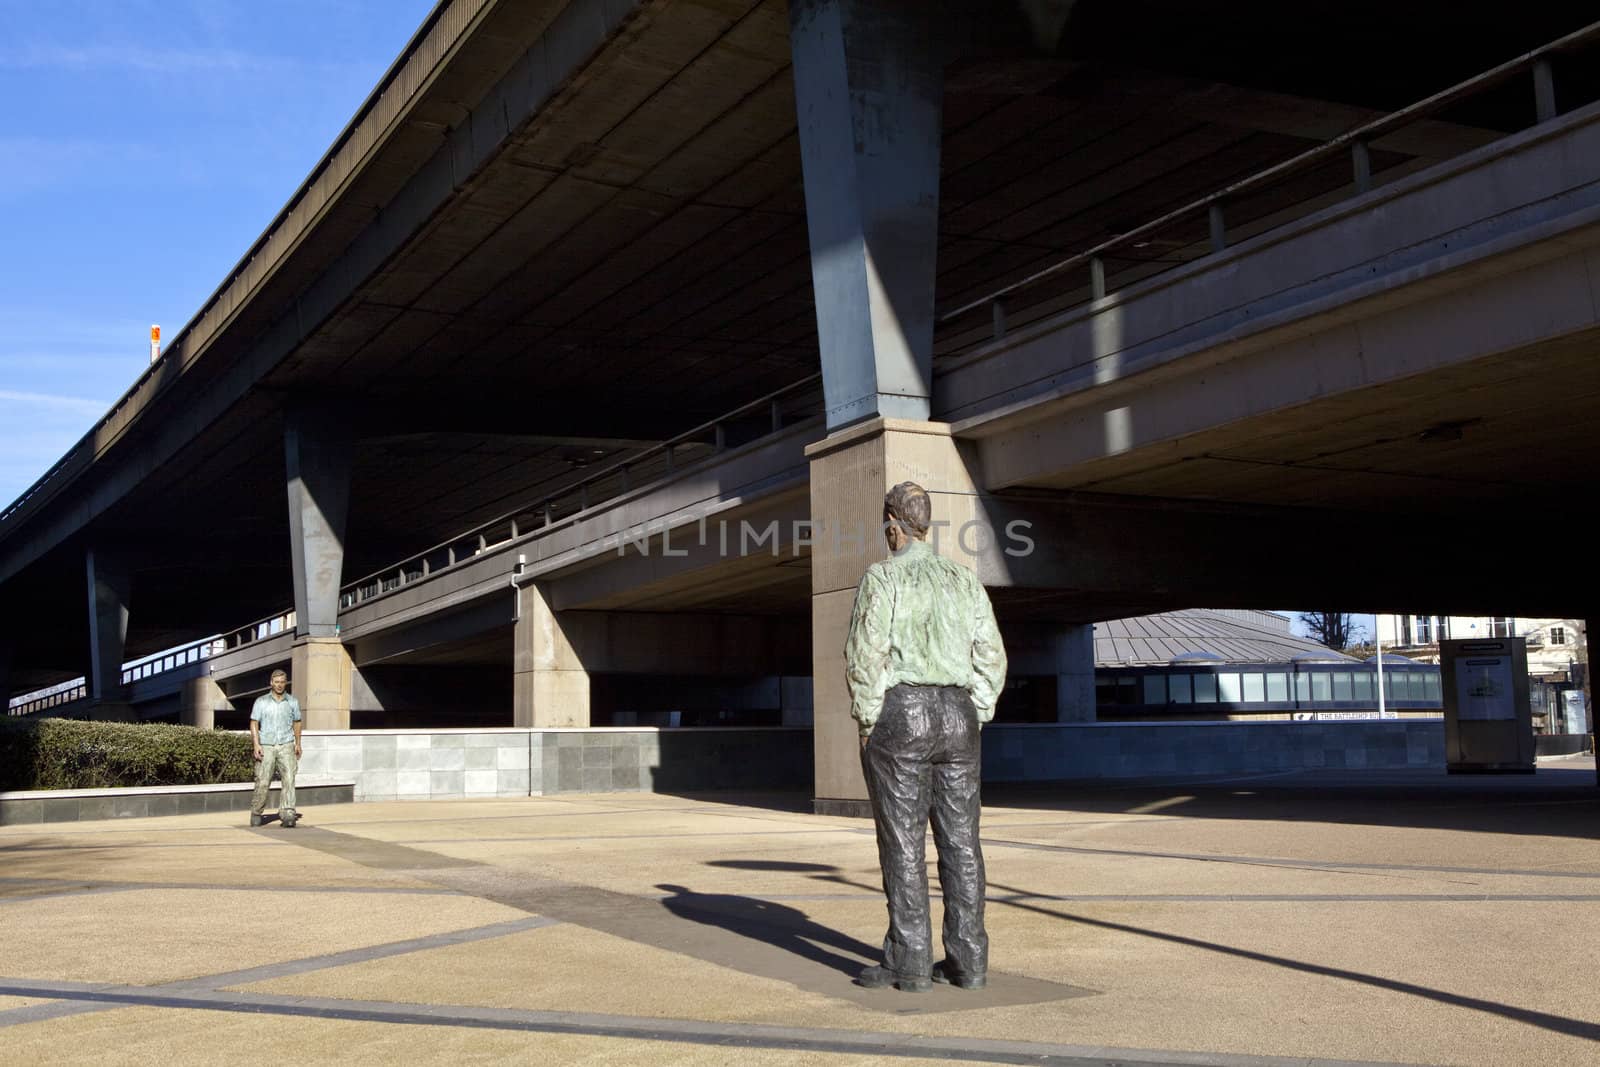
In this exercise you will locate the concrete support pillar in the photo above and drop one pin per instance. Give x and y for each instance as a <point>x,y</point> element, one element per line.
<point>109,585</point>
<point>7,652</point>
<point>319,677</point>
<point>869,88</point>
<point>850,473</point>
<point>317,449</point>
<point>550,682</point>
<point>1074,655</point>
<point>200,701</point>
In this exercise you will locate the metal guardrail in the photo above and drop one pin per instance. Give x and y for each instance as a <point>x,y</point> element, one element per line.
<point>569,503</point>
<point>78,689</point>
<point>1355,141</point>
<point>572,501</point>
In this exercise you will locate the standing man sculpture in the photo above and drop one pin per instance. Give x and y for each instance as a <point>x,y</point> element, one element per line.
<point>275,724</point>
<point>925,665</point>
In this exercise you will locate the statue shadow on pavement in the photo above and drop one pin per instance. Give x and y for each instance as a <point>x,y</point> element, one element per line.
<point>778,925</point>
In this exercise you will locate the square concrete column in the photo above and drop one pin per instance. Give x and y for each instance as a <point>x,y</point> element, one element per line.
<point>1074,654</point>
<point>550,681</point>
<point>317,452</point>
<point>1588,693</point>
<point>319,677</point>
<point>200,701</point>
<point>7,653</point>
<point>109,584</point>
<point>850,473</point>
<point>869,97</point>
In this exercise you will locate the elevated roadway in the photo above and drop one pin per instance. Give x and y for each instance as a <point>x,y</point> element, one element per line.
<point>559,235</point>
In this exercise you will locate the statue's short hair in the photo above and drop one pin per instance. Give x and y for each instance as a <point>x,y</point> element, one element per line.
<point>908,504</point>
<point>279,674</point>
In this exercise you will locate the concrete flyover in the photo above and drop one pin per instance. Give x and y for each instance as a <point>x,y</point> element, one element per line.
<point>568,278</point>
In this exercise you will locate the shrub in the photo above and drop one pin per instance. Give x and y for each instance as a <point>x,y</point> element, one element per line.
<point>66,754</point>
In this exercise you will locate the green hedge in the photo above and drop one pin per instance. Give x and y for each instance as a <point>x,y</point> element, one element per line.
<point>66,754</point>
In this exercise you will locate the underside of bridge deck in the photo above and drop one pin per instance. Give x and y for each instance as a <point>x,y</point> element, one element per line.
<point>579,236</point>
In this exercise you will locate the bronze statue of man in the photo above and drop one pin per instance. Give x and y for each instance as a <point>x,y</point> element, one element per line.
<point>925,665</point>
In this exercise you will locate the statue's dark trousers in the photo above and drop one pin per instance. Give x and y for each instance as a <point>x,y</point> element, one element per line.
<point>922,762</point>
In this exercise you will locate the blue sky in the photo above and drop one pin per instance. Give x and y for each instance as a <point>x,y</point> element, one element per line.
<point>146,144</point>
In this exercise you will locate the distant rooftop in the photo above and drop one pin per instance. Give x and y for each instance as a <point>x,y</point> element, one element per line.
<point>1203,635</point>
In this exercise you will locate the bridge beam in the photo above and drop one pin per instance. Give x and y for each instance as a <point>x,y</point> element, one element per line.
<point>869,87</point>
<point>109,583</point>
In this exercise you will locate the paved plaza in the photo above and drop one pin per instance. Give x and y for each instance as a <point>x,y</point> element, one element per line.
<point>1394,917</point>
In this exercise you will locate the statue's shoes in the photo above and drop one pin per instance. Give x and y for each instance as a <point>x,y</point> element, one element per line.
<point>879,977</point>
<point>944,974</point>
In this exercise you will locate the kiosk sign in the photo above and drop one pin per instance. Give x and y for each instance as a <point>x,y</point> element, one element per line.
<point>1483,687</point>
<point>1488,718</point>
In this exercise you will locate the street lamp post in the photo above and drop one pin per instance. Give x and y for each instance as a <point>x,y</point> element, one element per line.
<point>1377,639</point>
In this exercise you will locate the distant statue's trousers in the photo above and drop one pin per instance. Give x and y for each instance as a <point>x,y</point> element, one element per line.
<point>276,760</point>
<point>921,763</point>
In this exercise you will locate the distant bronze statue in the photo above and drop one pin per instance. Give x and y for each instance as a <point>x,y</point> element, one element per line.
<point>925,665</point>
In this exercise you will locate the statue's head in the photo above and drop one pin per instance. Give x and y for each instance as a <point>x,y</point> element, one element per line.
<point>907,514</point>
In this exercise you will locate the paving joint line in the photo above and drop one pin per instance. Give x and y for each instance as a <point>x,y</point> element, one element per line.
<point>682,1031</point>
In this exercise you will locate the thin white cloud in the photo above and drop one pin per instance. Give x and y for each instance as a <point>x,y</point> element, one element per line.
<point>137,57</point>
<point>54,401</point>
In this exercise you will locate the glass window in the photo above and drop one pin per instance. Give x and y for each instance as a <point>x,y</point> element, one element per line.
<point>1321,687</point>
<point>1278,687</point>
<point>1405,629</point>
<point>1127,690</point>
<point>1342,687</point>
<point>1416,686</point>
<point>1388,683</point>
<point>1424,629</point>
<point>1205,689</point>
<point>1155,689</point>
<point>1430,687</point>
<point>1558,635</point>
<point>1228,688</point>
<point>1105,690</point>
<point>1178,685</point>
<point>1502,626</point>
<point>1364,689</point>
<point>1302,688</point>
<point>1255,688</point>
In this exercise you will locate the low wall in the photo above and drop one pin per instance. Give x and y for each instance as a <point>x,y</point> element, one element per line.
<point>517,762</point>
<point>78,805</point>
<point>1562,744</point>
<point>1025,752</point>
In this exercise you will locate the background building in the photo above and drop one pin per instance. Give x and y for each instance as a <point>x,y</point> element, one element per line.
<point>1556,657</point>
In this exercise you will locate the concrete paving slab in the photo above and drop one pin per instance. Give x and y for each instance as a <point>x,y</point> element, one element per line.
<point>156,1035</point>
<point>1302,920</point>
<point>156,935</point>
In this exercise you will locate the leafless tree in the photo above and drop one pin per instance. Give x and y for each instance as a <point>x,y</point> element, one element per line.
<point>1336,629</point>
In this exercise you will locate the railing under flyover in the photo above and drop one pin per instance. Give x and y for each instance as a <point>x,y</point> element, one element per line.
<point>784,407</point>
<point>793,403</point>
<point>1202,227</point>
